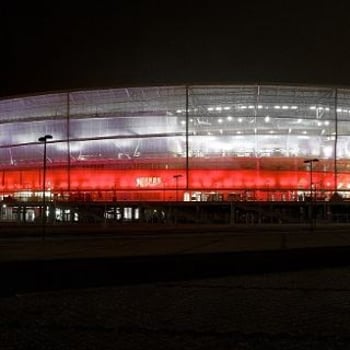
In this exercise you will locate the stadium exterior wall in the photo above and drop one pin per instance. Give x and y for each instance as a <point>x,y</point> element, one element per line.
<point>167,143</point>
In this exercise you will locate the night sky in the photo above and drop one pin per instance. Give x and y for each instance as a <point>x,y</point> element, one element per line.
<point>60,46</point>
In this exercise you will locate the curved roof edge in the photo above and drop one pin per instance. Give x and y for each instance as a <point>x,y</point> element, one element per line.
<point>193,83</point>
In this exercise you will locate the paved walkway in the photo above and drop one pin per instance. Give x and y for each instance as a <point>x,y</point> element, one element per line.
<point>289,310</point>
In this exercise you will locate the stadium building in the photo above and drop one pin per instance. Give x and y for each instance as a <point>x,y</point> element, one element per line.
<point>218,143</point>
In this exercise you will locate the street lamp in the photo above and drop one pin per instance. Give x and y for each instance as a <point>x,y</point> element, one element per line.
<point>311,162</point>
<point>176,177</point>
<point>44,140</point>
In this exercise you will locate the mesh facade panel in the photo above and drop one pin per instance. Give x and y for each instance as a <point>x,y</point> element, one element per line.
<point>224,138</point>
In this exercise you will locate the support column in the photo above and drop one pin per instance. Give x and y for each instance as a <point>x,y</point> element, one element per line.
<point>68,143</point>
<point>336,141</point>
<point>187,148</point>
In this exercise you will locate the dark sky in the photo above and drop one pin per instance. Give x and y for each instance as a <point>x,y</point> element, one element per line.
<point>65,46</point>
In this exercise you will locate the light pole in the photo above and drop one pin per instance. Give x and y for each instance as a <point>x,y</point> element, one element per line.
<point>311,162</point>
<point>44,140</point>
<point>176,177</point>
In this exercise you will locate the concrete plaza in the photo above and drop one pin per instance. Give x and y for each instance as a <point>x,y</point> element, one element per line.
<point>171,287</point>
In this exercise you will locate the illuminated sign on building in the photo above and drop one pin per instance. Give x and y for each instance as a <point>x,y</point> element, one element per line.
<point>148,181</point>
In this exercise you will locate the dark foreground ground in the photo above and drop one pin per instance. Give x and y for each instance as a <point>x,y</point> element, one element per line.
<point>307,309</point>
<point>262,289</point>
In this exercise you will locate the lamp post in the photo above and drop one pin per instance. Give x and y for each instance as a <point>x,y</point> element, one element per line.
<point>311,162</point>
<point>44,140</point>
<point>176,177</point>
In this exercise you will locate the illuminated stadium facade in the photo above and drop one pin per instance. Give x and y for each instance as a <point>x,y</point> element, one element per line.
<point>178,143</point>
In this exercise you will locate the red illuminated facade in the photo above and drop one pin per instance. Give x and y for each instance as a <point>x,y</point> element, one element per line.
<point>192,143</point>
